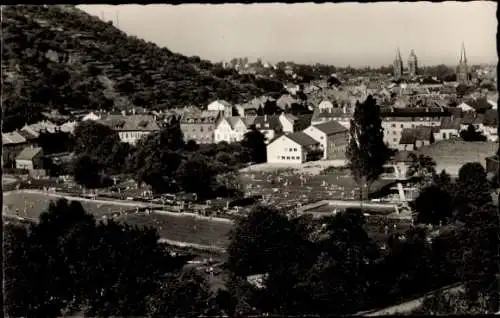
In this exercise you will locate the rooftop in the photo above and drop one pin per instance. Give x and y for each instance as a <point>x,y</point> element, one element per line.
<point>331,127</point>
<point>28,153</point>
<point>302,138</point>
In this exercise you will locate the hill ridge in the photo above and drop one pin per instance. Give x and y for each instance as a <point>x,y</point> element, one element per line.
<point>53,57</point>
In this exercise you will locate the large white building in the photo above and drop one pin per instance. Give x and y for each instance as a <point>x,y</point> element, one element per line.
<point>293,148</point>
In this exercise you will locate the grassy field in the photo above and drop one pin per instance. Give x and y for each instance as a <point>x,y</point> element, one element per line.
<point>450,155</point>
<point>177,228</point>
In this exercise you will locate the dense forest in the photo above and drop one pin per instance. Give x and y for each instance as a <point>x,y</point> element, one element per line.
<point>59,57</point>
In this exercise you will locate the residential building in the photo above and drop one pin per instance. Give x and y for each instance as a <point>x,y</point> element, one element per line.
<point>68,127</point>
<point>131,128</point>
<point>450,128</point>
<point>270,126</point>
<point>30,158</point>
<point>293,148</point>
<point>91,116</point>
<point>333,138</point>
<point>12,144</point>
<point>337,114</point>
<point>287,122</point>
<point>474,119</point>
<point>231,129</point>
<point>414,138</point>
<point>394,120</point>
<point>222,106</point>
<point>199,126</point>
<point>41,127</point>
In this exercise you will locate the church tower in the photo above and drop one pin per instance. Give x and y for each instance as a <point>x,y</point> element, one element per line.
<point>462,68</point>
<point>398,65</point>
<point>412,64</point>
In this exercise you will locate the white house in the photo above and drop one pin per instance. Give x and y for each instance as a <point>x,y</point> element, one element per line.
<point>239,128</point>
<point>293,148</point>
<point>332,136</point>
<point>91,116</point>
<point>221,106</point>
<point>325,105</point>
<point>68,127</point>
<point>231,129</point>
<point>287,122</point>
<point>465,107</point>
<point>450,127</point>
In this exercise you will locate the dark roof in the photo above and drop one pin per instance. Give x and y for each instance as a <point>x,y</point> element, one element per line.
<point>28,153</point>
<point>450,123</point>
<point>408,137</point>
<point>331,127</point>
<point>402,156</point>
<point>303,121</point>
<point>267,122</point>
<point>411,135</point>
<point>472,118</point>
<point>491,117</point>
<point>480,104</point>
<point>302,138</point>
<point>131,122</point>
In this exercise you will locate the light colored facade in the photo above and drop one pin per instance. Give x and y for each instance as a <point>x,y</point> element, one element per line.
<point>221,106</point>
<point>395,120</point>
<point>287,122</point>
<point>223,131</point>
<point>333,138</point>
<point>131,128</point>
<point>30,158</point>
<point>91,116</point>
<point>199,126</point>
<point>293,148</point>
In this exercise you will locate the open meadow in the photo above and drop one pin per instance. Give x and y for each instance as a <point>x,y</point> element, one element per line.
<point>451,155</point>
<point>189,229</point>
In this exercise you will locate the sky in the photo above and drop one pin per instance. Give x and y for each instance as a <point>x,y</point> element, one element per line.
<point>340,34</point>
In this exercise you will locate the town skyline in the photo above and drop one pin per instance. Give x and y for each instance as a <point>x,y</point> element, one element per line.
<point>315,33</point>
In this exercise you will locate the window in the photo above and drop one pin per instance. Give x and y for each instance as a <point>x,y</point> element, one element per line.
<point>402,126</point>
<point>287,158</point>
<point>393,132</point>
<point>444,135</point>
<point>294,149</point>
<point>393,125</point>
<point>395,140</point>
<point>322,137</point>
<point>201,129</point>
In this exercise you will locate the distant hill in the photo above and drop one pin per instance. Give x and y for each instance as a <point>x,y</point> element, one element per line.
<point>60,57</point>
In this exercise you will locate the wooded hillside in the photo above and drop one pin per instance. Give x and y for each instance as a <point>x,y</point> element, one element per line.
<point>60,57</point>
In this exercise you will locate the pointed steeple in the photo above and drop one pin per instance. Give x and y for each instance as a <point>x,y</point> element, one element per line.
<point>398,55</point>
<point>463,56</point>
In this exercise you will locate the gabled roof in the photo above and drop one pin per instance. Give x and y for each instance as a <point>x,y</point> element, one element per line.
<point>233,120</point>
<point>408,137</point>
<point>302,138</point>
<point>267,122</point>
<point>28,153</point>
<point>472,118</point>
<point>331,127</point>
<point>28,134</point>
<point>12,138</point>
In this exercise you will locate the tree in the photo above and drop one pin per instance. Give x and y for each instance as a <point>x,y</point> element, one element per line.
<point>258,242</point>
<point>366,151</point>
<point>473,190</point>
<point>422,166</point>
<point>87,172</point>
<point>195,175</point>
<point>69,264</point>
<point>433,205</point>
<point>255,142</point>
<point>471,134</point>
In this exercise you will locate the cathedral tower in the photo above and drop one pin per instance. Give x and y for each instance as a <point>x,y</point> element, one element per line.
<point>412,64</point>
<point>462,68</point>
<point>398,65</point>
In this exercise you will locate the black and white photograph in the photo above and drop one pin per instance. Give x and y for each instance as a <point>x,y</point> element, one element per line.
<point>250,160</point>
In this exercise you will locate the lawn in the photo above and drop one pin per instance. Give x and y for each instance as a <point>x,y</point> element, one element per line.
<point>452,154</point>
<point>177,228</point>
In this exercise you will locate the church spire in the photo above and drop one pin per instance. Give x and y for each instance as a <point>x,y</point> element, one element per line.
<point>463,56</point>
<point>398,55</point>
